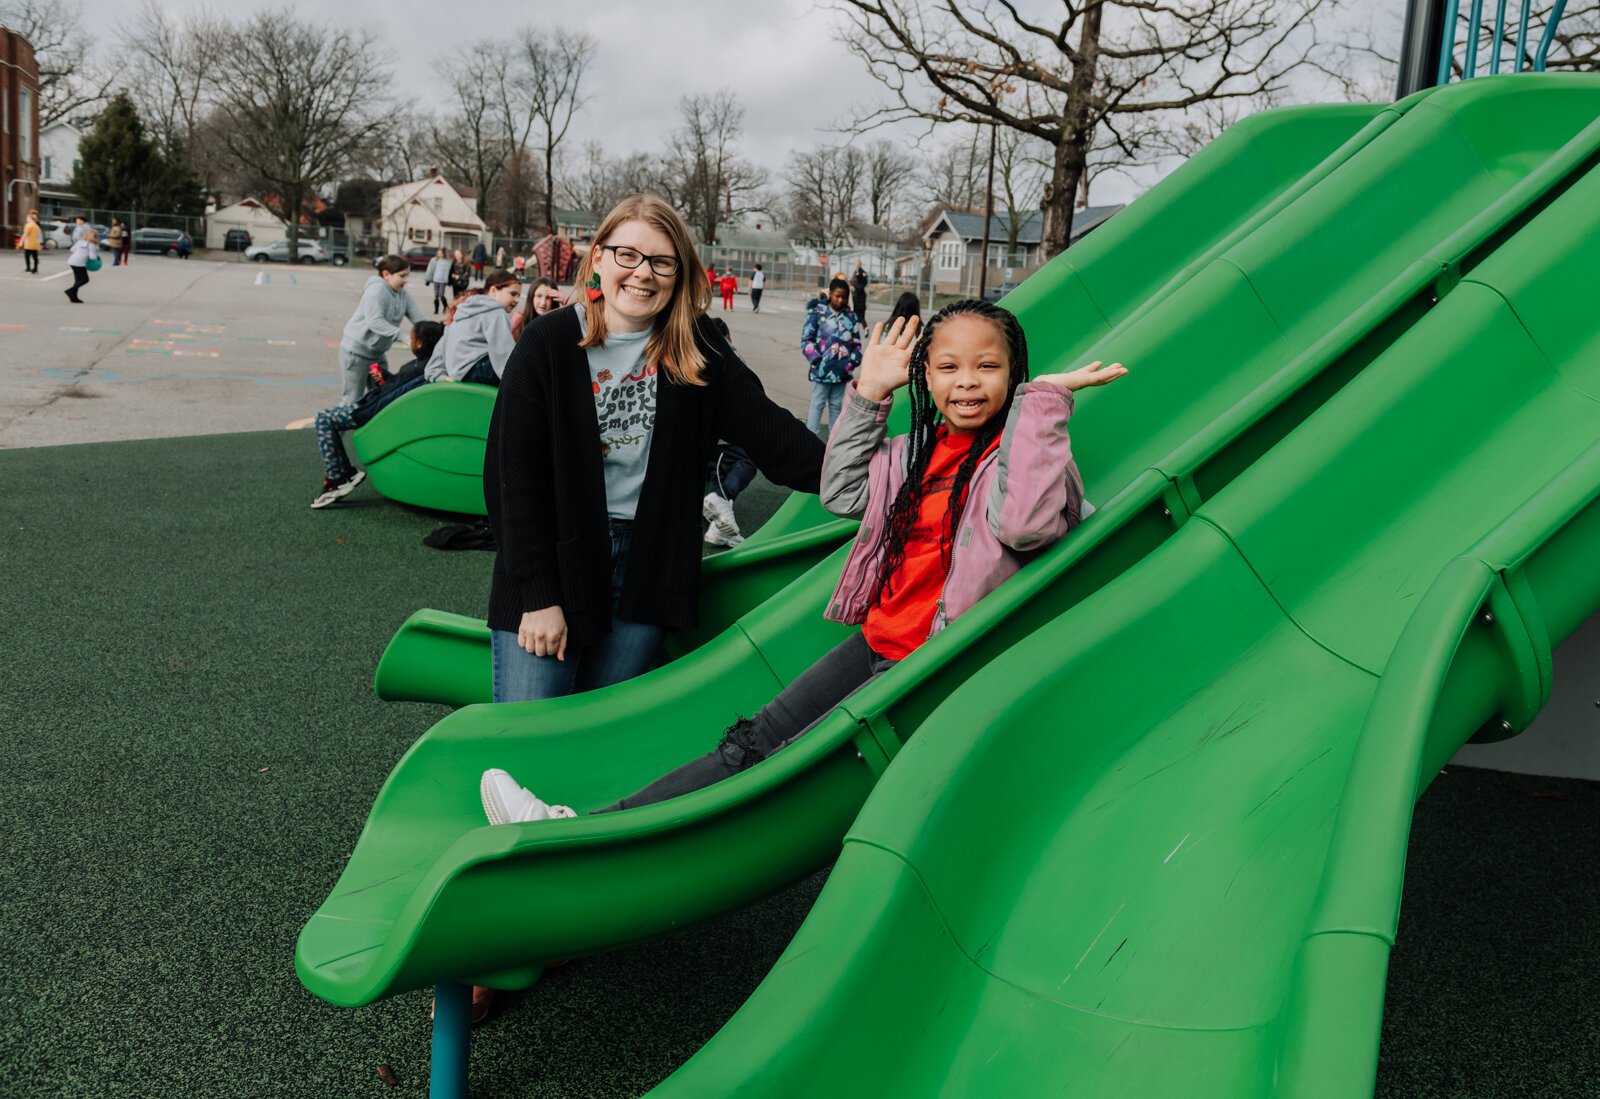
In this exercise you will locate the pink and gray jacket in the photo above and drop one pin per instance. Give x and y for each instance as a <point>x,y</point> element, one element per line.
<point>1029,486</point>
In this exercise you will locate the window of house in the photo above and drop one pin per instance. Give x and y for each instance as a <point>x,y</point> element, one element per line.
<point>421,235</point>
<point>44,172</point>
<point>438,205</point>
<point>949,255</point>
<point>998,257</point>
<point>25,104</point>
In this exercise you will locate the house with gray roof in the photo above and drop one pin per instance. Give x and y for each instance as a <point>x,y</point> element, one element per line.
<point>953,240</point>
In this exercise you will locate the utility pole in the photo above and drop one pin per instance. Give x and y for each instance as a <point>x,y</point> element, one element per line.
<point>988,216</point>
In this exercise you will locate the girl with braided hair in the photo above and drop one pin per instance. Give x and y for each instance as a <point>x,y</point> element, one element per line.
<point>984,475</point>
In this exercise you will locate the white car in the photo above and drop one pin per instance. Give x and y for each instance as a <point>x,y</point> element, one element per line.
<point>309,251</point>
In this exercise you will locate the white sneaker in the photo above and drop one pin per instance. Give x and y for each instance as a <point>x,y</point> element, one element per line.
<point>716,537</point>
<point>719,513</point>
<point>504,802</point>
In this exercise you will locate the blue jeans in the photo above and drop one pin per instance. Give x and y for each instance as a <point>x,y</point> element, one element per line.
<point>625,652</point>
<point>830,394</point>
<point>482,373</point>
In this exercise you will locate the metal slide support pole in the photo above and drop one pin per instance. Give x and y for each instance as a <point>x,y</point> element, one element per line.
<point>1549,35</point>
<point>1419,51</point>
<point>1469,67</point>
<point>1522,34</point>
<point>452,1041</point>
<point>1499,36</point>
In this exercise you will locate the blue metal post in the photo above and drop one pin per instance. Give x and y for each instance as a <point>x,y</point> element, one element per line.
<point>1499,37</point>
<point>452,1041</point>
<point>1549,35</point>
<point>1469,67</point>
<point>1522,34</point>
<point>1449,42</point>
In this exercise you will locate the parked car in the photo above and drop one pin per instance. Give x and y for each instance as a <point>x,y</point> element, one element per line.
<point>55,234</point>
<point>309,251</point>
<point>417,257</point>
<point>171,242</point>
<point>237,240</point>
<point>995,293</point>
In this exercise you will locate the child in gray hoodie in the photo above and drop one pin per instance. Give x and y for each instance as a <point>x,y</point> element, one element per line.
<point>478,342</point>
<point>375,325</point>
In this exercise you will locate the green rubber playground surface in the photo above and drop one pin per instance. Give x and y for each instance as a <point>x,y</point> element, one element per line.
<point>191,745</point>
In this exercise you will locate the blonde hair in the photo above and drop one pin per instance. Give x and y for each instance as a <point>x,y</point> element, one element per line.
<point>672,344</point>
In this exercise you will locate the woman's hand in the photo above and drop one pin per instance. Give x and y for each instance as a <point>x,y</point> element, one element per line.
<point>544,633</point>
<point>1084,377</point>
<point>885,358</point>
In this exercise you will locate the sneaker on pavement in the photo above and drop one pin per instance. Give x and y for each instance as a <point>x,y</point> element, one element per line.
<point>332,492</point>
<point>504,802</point>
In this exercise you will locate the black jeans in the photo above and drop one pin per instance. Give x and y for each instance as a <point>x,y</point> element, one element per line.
<point>80,279</point>
<point>755,300</point>
<point>847,668</point>
<point>731,472</point>
<point>30,261</point>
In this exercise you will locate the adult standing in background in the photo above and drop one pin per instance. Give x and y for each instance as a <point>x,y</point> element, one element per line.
<point>858,293</point>
<point>460,275</point>
<point>480,256</point>
<point>758,283</point>
<point>114,237</point>
<point>127,246</point>
<point>30,244</point>
<point>500,257</point>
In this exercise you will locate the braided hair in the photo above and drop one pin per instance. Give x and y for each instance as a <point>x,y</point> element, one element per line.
<point>920,440</point>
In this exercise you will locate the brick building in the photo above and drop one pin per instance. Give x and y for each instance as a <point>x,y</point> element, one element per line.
<point>19,129</point>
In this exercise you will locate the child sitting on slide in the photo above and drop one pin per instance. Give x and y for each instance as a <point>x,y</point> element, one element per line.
<point>923,559</point>
<point>339,475</point>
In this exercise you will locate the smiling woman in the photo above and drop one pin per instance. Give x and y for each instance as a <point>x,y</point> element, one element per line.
<point>607,416</point>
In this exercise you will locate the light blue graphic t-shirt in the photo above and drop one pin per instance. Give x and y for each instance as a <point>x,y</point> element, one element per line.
<point>625,404</point>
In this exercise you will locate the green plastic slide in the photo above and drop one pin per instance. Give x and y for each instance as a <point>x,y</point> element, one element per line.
<point>1224,366</point>
<point>1157,847</point>
<point>426,449</point>
<point>1122,270</point>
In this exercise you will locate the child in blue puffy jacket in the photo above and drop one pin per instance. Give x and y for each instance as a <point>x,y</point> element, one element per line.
<point>831,343</point>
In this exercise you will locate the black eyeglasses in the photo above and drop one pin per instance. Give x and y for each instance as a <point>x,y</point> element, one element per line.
<point>631,258</point>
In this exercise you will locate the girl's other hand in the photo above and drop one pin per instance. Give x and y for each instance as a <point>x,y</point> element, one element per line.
<point>885,358</point>
<point>1084,377</point>
<point>544,633</point>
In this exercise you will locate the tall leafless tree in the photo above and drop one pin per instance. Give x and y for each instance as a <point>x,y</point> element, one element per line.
<point>714,183</point>
<point>295,103</point>
<point>1062,78</point>
<point>889,172</point>
<point>596,181</point>
<point>550,78</point>
<point>490,117</point>
<point>825,187</point>
<point>71,86</point>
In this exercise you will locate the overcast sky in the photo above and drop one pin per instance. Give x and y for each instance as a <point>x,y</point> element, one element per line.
<point>796,82</point>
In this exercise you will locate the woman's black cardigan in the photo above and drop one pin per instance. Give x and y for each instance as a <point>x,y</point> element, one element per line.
<point>545,486</point>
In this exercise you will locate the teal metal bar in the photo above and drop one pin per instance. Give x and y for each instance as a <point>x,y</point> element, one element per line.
<point>1499,37</point>
<point>1449,46</point>
<point>1522,34</point>
<point>452,1041</point>
<point>1549,35</point>
<point>1469,64</point>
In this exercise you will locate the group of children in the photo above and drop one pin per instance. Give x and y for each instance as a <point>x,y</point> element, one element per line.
<point>727,284</point>
<point>471,344</point>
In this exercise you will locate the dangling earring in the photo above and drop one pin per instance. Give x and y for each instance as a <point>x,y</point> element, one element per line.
<point>593,289</point>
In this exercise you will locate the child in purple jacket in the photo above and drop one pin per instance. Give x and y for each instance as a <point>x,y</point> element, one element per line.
<point>979,431</point>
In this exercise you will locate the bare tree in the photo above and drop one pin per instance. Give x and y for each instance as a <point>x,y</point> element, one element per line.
<point>54,28</point>
<point>825,185</point>
<point>953,174</point>
<point>490,121</point>
<point>597,181</point>
<point>1097,65</point>
<point>1020,167</point>
<point>550,78</point>
<point>712,183</point>
<point>295,104</point>
<point>171,74</point>
<point>889,172</point>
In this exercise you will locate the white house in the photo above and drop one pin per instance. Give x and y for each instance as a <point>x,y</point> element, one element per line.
<point>878,251</point>
<point>429,213</point>
<point>58,159</point>
<point>249,214</point>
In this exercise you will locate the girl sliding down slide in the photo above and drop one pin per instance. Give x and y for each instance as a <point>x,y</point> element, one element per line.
<point>921,558</point>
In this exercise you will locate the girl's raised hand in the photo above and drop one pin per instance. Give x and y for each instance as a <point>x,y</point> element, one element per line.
<point>1085,376</point>
<point>885,358</point>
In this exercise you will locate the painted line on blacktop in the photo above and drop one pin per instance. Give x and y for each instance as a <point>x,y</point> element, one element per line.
<point>298,424</point>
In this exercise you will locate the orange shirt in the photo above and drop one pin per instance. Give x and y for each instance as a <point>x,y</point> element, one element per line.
<point>30,236</point>
<point>898,624</point>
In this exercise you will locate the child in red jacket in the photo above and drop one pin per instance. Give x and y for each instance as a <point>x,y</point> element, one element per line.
<point>729,285</point>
